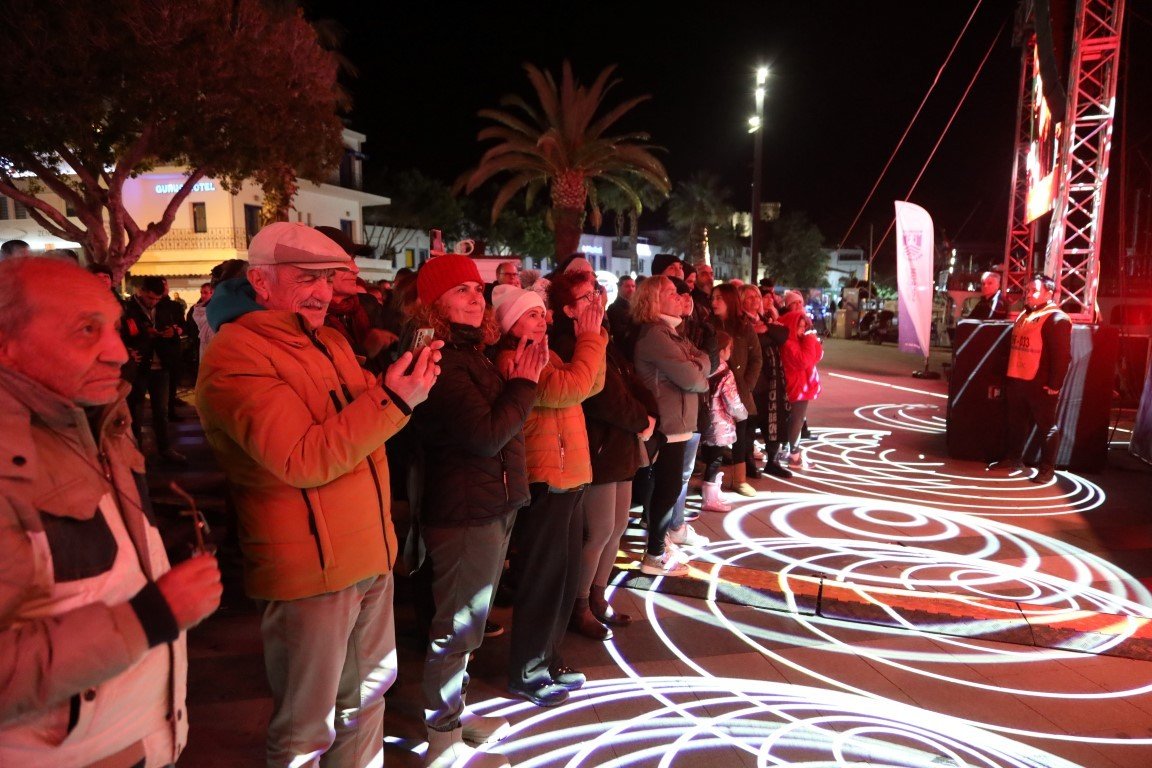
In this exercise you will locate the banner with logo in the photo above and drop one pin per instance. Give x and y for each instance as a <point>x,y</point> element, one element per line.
<point>915,289</point>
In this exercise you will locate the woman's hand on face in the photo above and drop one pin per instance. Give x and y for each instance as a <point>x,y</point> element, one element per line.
<point>590,318</point>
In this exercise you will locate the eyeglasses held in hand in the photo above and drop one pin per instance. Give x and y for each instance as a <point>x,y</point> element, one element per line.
<point>199,523</point>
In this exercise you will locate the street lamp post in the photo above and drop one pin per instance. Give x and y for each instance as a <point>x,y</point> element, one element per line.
<point>756,126</point>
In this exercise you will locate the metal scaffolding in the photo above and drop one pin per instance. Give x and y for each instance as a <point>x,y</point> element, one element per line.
<point>1018,266</point>
<point>1073,255</point>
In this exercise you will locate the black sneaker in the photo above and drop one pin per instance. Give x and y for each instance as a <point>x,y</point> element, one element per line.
<point>492,629</point>
<point>1006,465</point>
<point>547,695</point>
<point>1044,475</point>
<point>568,678</point>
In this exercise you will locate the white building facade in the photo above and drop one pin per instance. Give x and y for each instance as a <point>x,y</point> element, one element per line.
<point>212,224</point>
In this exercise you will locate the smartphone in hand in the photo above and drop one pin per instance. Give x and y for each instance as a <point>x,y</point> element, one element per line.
<point>421,339</point>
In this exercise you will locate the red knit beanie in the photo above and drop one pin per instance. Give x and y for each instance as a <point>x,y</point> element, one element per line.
<point>441,274</point>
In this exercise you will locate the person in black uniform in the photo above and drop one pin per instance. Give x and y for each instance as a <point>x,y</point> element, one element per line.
<point>992,305</point>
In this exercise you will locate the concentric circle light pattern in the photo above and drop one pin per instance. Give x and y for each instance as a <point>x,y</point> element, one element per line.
<point>872,513</point>
<point>657,721</point>
<point>911,417</point>
<point>934,663</point>
<point>887,544</point>
<point>856,462</point>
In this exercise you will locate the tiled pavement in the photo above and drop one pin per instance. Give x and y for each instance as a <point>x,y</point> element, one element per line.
<point>822,645</point>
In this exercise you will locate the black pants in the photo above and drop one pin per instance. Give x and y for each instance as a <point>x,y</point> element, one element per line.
<point>642,490</point>
<point>1032,422</point>
<point>667,478</point>
<point>551,539</point>
<point>714,457</point>
<point>742,450</point>
<point>155,383</point>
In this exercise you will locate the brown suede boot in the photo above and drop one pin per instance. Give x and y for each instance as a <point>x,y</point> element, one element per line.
<point>729,482</point>
<point>740,481</point>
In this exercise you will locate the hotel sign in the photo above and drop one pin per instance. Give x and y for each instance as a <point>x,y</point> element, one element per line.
<point>172,188</point>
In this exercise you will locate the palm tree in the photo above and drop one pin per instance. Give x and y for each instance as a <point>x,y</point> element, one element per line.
<point>694,207</point>
<point>725,242</point>
<point>561,144</point>
<point>613,200</point>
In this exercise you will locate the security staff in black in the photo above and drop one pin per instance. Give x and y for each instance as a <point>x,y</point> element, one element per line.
<point>1037,363</point>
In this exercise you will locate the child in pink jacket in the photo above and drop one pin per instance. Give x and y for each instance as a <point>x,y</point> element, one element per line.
<point>725,410</point>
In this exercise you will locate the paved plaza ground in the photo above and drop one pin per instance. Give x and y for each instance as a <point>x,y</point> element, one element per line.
<point>888,606</point>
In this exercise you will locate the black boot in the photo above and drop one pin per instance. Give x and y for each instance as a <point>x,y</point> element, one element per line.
<point>771,465</point>
<point>775,470</point>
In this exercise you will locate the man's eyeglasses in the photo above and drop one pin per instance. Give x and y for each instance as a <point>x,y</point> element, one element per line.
<point>199,524</point>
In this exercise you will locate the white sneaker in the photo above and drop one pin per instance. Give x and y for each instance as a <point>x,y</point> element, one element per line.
<point>685,536</point>
<point>663,565</point>
<point>479,730</point>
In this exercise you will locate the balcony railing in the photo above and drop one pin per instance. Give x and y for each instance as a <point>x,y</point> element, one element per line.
<point>216,238</point>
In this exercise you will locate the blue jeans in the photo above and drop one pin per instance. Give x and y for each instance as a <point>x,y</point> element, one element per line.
<point>690,449</point>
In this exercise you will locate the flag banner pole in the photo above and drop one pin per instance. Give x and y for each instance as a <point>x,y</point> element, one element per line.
<point>915,280</point>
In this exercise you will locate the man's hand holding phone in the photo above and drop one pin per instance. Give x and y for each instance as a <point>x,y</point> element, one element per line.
<point>414,374</point>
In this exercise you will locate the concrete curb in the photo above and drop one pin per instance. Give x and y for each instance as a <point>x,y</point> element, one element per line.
<point>938,613</point>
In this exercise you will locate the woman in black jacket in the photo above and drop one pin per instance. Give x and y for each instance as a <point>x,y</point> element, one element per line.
<point>745,364</point>
<point>618,419</point>
<point>770,392</point>
<point>474,479</point>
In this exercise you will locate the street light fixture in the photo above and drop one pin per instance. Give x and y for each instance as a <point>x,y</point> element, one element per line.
<point>756,126</point>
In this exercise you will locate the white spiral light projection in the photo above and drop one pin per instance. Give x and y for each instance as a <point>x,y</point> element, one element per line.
<point>911,417</point>
<point>880,518</point>
<point>896,545</point>
<point>653,721</point>
<point>855,462</point>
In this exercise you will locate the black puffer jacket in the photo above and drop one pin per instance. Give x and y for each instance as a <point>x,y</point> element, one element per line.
<point>471,433</point>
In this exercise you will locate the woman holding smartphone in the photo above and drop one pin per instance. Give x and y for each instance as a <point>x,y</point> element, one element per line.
<point>470,430</point>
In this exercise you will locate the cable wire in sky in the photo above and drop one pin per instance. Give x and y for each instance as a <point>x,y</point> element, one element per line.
<point>912,122</point>
<point>943,133</point>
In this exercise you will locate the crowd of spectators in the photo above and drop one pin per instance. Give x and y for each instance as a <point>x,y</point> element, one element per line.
<point>522,426</point>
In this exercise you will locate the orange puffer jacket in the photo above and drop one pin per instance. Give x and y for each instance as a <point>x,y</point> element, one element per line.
<point>299,429</point>
<point>555,434</point>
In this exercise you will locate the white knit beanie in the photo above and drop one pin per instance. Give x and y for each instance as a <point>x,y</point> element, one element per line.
<point>511,303</point>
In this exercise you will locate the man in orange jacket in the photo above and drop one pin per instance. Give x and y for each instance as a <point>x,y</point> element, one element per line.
<point>299,428</point>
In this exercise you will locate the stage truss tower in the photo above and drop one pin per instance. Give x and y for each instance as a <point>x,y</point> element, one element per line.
<point>1072,254</point>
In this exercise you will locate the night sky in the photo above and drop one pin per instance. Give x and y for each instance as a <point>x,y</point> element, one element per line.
<point>846,78</point>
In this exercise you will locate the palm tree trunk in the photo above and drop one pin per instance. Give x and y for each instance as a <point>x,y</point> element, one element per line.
<point>568,224</point>
<point>634,237</point>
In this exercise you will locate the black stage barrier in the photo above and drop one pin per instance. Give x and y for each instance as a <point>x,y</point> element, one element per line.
<point>976,408</point>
